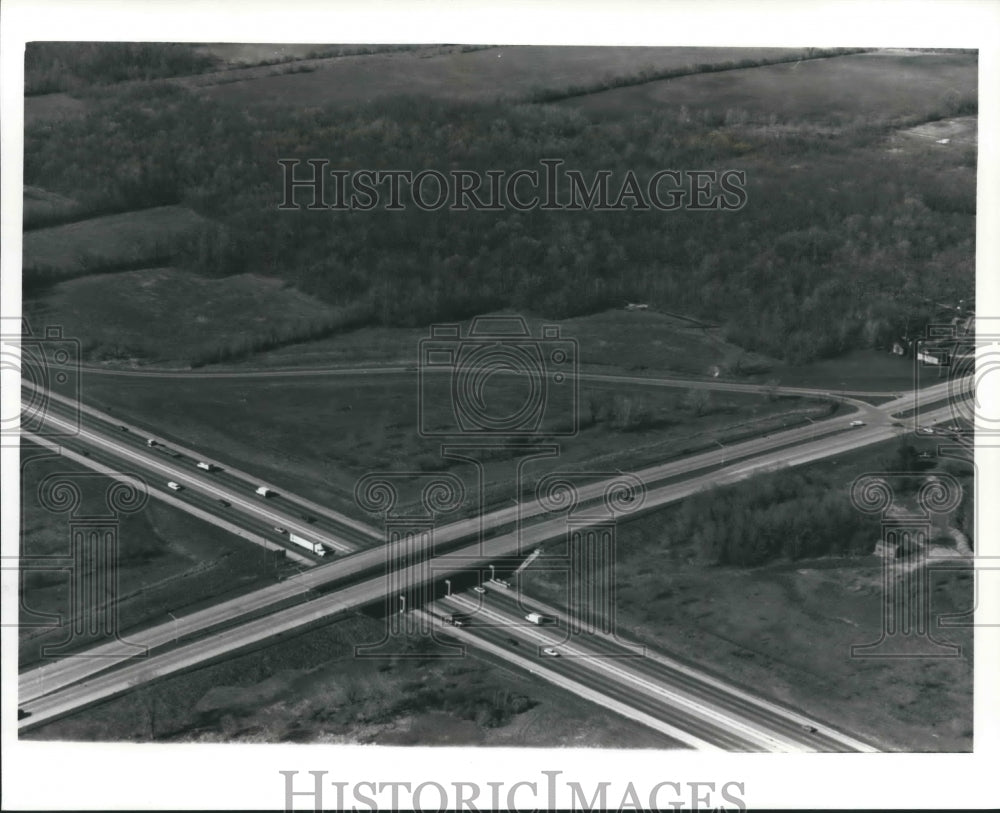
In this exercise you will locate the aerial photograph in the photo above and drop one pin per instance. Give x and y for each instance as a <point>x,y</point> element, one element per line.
<point>483,395</point>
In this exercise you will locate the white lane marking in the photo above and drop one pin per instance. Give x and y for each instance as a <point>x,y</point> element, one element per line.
<point>788,714</point>
<point>580,690</point>
<point>188,476</point>
<point>768,740</point>
<point>241,475</point>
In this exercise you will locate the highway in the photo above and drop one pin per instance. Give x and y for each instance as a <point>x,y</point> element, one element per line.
<point>726,716</point>
<point>49,691</point>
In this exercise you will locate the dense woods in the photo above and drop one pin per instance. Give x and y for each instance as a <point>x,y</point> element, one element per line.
<point>837,247</point>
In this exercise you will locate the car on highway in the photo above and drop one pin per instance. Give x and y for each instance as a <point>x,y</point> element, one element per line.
<point>513,642</point>
<point>809,728</point>
<point>225,503</point>
<point>954,428</point>
<point>308,518</point>
<point>174,486</point>
<point>480,590</point>
<point>925,430</point>
<point>123,428</point>
<point>280,530</point>
<point>857,423</point>
<point>552,653</point>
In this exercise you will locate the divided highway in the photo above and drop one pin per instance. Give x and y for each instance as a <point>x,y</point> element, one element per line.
<point>59,687</point>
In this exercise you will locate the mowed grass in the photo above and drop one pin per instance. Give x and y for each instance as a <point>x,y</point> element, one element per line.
<point>501,72</point>
<point>128,238</point>
<point>312,688</point>
<point>875,86</point>
<point>610,341</point>
<point>785,630</point>
<point>318,435</point>
<point>170,315</point>
<point>168,560</point>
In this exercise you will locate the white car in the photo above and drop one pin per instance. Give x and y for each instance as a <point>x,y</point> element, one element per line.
<point>552,653</point>
<point>280,530</point>
<point>925,430</point>
<point>174,486</point>
<point>857,423</point>
<point>480,590</point>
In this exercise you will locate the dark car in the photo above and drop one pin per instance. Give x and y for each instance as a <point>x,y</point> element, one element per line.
<point>225,503</point>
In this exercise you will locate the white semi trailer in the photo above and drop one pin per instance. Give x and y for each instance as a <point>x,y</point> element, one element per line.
<point>302,542</point>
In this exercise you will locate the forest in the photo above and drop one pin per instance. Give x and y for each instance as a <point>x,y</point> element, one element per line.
<point>838,247</point>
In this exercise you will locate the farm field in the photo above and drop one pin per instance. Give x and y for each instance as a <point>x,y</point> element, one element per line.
<point>609,341</point>
<point>501,72</point>
<point>319,435</point>
<point>311,688</point>
<point>168,560</point>
<point>172,316</point>
<point>758,627</point>
<point>841,90</point>
<point>131,238</point>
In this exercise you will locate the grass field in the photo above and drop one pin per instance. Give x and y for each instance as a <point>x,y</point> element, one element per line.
<point>879,86</point>
<point>168,560</point>
<point>319,435</point>
<point>502,72</point>
<point>131,238</point>
<point>761,627</point>
<point>311,688</point>
<point>165,315</point>
<point>42,206</point>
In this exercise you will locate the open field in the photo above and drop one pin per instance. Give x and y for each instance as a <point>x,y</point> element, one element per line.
<point>131,238</point>
<point>879,86</point>
<point>319,435</point>
<point>609,341</point>
<point>42,206</point>
<point>760,627</point>
<point>166,315</point>
<point>311,688</point>
<point>502,72</point>
<point>465,72</point>
<point>168,560</point>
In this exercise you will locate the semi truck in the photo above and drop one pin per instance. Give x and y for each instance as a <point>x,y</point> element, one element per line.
<point>302,542</point>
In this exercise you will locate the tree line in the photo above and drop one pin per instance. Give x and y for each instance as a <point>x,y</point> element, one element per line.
<point>836,248</point>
